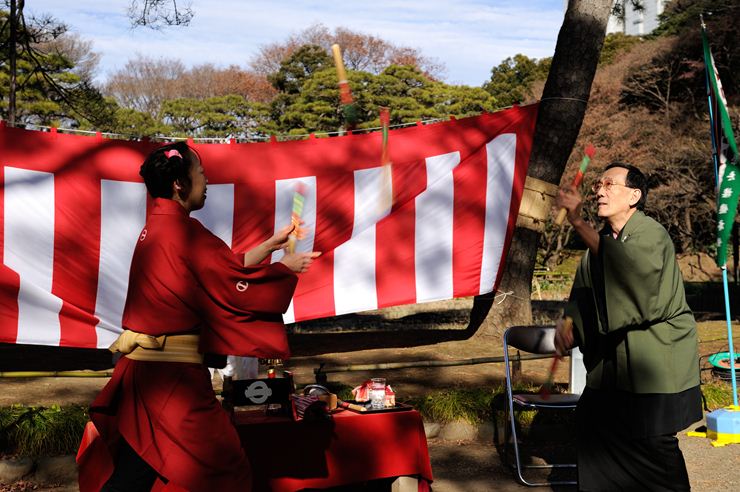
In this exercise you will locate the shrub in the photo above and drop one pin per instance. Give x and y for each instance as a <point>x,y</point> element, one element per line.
<point>37,431</point>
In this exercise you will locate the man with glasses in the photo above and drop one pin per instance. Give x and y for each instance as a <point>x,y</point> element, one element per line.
<point>638,338</point>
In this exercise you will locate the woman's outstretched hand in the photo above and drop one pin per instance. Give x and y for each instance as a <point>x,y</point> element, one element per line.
<point>299,262</point>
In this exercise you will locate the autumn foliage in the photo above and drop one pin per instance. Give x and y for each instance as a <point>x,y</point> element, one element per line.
<point>648,107</point>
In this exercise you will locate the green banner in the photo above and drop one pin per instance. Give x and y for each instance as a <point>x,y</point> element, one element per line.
<point>725,155</point>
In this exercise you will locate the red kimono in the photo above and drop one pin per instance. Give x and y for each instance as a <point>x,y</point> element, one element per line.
<point>184,279</point>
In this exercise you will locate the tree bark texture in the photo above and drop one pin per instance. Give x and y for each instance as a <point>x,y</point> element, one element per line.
<point>559,119</point>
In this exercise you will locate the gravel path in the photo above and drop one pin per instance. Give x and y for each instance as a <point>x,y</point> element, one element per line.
<point>469,466</point>
<point>475,467</point>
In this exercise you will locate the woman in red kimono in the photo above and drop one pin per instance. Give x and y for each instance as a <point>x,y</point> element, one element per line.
<point>188,294</point>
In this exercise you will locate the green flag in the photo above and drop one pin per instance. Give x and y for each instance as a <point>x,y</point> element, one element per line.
<point>725,152</point>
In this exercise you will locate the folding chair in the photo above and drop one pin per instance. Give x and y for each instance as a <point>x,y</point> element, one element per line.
<point>535,340</point>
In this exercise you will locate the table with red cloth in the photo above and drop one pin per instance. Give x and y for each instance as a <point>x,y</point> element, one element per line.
<point>287,456</point>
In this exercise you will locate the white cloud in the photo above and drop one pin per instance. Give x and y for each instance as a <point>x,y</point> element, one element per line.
<point>468,36</point>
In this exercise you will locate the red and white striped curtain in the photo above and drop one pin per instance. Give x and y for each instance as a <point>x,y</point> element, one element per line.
<point>436,226</point>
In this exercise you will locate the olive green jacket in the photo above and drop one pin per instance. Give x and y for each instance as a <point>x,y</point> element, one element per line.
<point>631,319</point>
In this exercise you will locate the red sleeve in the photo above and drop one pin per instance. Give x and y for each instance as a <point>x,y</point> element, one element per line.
<point>242,306</point>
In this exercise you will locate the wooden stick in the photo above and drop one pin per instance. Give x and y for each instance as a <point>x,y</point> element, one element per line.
<point>350,406</point>
<point>546,388</point>
<point>341,72</point>
<point>590,151</point>
<point>345,93</point>
<point>385,203</point>
<point>295,217</point>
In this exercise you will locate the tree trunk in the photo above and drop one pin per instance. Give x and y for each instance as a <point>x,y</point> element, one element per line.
<point>559,119</point>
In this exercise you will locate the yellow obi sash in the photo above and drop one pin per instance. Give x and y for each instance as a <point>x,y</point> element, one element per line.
<point>163,348</point>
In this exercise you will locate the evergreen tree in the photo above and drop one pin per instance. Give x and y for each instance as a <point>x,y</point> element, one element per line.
<point>48,90</point>
<point>512,79</point>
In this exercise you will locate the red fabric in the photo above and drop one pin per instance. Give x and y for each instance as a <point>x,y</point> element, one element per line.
<point>77,269</point>
<point>184,279</point>
<point>94,454</point>
<point>288,456</point>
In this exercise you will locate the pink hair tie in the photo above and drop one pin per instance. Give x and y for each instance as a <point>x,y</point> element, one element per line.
<point>172,153</point>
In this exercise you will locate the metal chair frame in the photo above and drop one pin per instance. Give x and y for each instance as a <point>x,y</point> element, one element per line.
<point>536,340</point>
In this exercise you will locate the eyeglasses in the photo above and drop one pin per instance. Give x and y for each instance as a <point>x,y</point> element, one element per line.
<point>607,184</point>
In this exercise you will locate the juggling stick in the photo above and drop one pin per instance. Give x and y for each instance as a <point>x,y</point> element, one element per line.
<point>385,123</point>
<point>345,93</point>
<point>546,388</point>
<point>299,198</point>
<point>385,162</point>
<point>590,151</point>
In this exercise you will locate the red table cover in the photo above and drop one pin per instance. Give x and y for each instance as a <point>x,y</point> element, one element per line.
<point>287,456</point>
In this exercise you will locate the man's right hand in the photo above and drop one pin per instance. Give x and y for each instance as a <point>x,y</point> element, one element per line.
<point>564,340</point>
<point>571,200</point>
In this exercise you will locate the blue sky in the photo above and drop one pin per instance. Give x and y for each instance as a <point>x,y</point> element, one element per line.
<point>468,36</point>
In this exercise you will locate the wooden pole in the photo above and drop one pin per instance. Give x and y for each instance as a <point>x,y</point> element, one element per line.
<point>56,374</point>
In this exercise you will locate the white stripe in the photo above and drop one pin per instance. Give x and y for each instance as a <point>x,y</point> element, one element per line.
<point>122,218</point>
<point>284,190</point>
<point>218,213</point>
<point>354,261</point>
<point>501,162</point>
<point>433,236</point>
<point>218,217</point>
<point>29,250</point>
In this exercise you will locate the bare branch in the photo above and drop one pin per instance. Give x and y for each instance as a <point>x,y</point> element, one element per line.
<point>156,14</point>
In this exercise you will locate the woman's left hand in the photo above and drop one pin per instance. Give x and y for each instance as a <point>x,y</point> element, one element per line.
<point>281,238</point>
